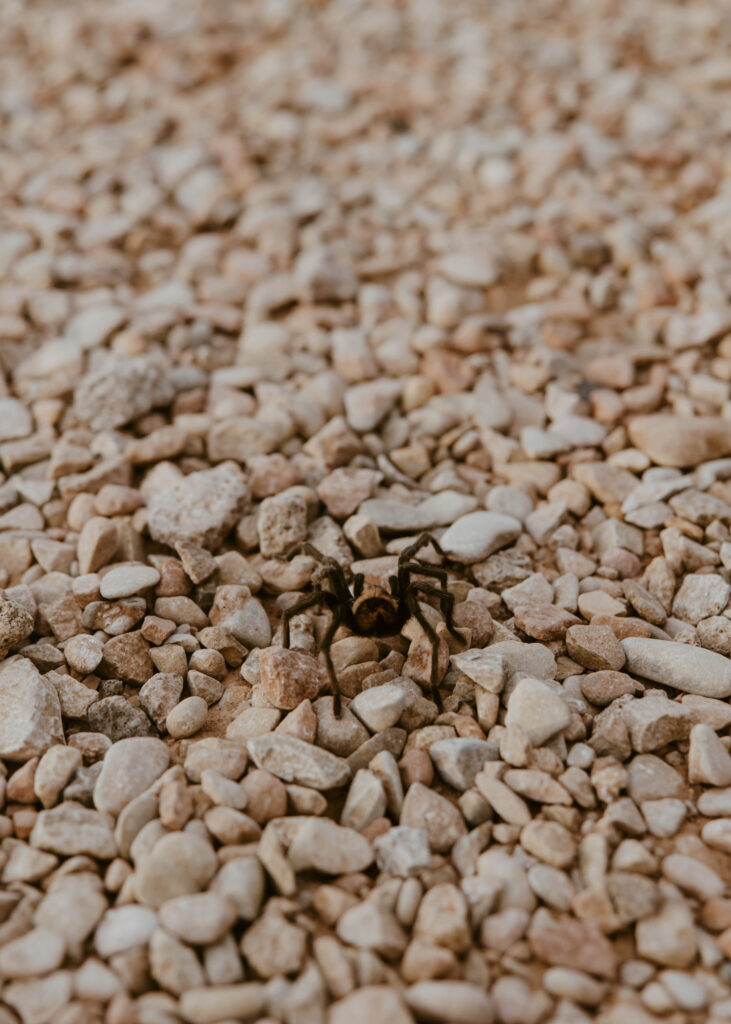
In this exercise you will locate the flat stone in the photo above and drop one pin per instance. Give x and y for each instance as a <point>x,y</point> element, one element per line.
<point>668,938</point>
<point>322,845</point>
<point>459,760</point>
<point>129,768</point>
<point>595,647</point>
<point>370,926</point>
<point>537,785</point>
<point>651,778</point>
<point>644,603</point>
<point>550,842</point>
<point>72,829</point>
<point>123,928</point>
<point>201,508</point>
<point>15,419</point>
<point>571,943</point>
<point>603,687</point>
<point>537,711</point>
<point>54,770</point>
<point>402,851</point>
<point>396,516</point>
<point>533,591</point>
<point>709,762</point>
<point>485,667</point>
<point>477,535</point>
<point>699,596</point>
<point>691,669</point>
<point>293,760</point>
<point>693,876</point>
<point>370,1003</point>
<point>128,580</point>
<point>30,711</point>
<point>39,951</point>
<point>198,918</point>
<point>38,1000</point>
<point>223,1002</point>
<point>532,659</point>
<point>501,798</point>
<point>681,441</point>
<point>544,622</point>
<point>461,1002</point>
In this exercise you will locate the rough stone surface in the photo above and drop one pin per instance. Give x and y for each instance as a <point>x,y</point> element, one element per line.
<point>30,712</point>
<point>440,355</point>
<point>201,509</point>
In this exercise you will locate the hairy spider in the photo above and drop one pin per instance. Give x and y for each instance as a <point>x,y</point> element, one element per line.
<point>371,610</point>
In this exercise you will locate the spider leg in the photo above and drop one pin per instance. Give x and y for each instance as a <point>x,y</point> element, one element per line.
<point>304,602</point>
<point>426,570</point>
<point>413,606</point>
<point>334,571</point>
<point>446,603</point>
<point>358,584</point>
<point>413,549</point>
<point>325,648</point>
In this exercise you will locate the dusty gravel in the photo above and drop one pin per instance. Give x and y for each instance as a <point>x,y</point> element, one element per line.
<point>340,273</point>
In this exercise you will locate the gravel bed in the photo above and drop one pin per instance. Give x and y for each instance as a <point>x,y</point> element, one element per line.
<point>277,274</point>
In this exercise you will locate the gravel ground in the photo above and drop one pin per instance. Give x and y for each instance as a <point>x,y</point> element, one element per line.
<point>342,273</point>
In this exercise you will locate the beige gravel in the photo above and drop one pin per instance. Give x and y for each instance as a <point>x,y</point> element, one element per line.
<point>338,273</point>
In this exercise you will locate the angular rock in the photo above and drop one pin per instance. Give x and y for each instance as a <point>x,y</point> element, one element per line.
<point>478,534</point>
<point>201,508</point>
<point>288,677</point>
<point>295,761</point>
<point>30,711</point>
<point>443,823</point>
<point>72,829</point>
<point>321,845</point>
<point>537,711</point>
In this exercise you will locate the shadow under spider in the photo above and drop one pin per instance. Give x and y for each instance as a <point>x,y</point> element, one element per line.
<point>372,610</point>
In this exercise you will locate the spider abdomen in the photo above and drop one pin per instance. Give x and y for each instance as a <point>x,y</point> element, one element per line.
<point>377,613</point>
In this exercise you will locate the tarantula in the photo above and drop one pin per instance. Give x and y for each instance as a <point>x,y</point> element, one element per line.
<point>371,610</point>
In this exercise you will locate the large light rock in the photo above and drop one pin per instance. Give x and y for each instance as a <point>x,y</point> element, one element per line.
<point>681,441</point>
<point>30,711</point>
<point>681,666</point>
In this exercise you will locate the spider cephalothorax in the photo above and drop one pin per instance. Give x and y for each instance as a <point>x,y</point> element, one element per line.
<point>371,610</point>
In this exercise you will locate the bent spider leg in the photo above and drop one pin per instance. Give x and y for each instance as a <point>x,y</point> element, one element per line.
<point>413,549</point>
<point>334,571</point>
<point>304,602</point>
<point>325,648</point>
<point>415,569</point>
<point>446,604</point>
<point>413,606</point>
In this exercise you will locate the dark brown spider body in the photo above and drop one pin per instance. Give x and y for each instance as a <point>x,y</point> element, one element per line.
<point>377,613</point>
<point>371,610</point>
